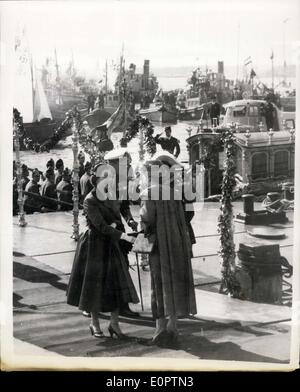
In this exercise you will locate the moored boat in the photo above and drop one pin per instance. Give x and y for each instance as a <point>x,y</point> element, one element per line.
<point>192,111</point>
<point>159,113</point>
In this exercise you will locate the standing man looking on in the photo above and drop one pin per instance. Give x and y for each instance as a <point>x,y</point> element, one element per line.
<point>215,111</point>
<point>168,143</point>
<point>91,102</point>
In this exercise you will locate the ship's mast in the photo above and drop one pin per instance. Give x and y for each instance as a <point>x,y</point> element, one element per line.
<point>106,82</point>
<point>32,83</point>
<point>57,76</point>
<point>238,54</point>
<point>56,66</point>
<point>272,60</point>
<point>284,59</point>
<point>121,73</point>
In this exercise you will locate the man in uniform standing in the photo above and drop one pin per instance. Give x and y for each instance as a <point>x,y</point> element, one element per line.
<point>168,143</point>
<point>91,102</point>
<point>215,111</point>
<point>269,114</point>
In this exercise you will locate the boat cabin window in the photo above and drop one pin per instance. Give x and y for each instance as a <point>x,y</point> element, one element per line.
<point>253,111</point>
<point>239,111</point>
<point>192,102</point>
<point>281,163</point>
<point>236,111</point>
<point>259,165</point>
<point>290,123</point>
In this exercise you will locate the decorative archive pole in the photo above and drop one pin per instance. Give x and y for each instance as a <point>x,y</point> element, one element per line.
<point>75,179</point>
<point>141,143</point>
<point>21,212</point>
<point>225,225</point>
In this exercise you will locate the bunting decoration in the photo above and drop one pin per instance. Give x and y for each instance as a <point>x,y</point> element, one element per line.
<point>148,129</point>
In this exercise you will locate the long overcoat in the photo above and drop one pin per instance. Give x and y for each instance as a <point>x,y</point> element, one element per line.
<point>172,286</point>
<point>100,280</point>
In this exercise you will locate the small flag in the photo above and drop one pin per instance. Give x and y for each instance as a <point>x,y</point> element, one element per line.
<point>247,61</point>
<point>272,55</point>
<point>252,74</point>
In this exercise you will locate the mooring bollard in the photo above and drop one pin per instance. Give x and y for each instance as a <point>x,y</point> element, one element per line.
<point>288,190</point>
<point>248,204</point>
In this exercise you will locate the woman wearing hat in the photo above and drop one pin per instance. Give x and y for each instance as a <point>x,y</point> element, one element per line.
<point>100,281</point>
<point>172,287</point>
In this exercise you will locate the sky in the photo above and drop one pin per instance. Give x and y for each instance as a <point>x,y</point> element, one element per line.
<point>169,33</point>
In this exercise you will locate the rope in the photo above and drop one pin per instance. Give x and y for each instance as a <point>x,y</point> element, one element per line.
<point>50,198</point>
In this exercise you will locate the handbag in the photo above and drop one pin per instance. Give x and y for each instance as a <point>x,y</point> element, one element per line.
<point>144,244</point>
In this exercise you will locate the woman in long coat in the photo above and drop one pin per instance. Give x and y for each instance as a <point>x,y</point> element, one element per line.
<point>172,287</point>
<point>100,281</point>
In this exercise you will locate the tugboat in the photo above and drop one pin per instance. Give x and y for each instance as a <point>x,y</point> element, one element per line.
<point>159,111</point>
<point>193,103</point>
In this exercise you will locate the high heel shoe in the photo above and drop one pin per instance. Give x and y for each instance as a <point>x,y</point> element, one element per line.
<point>173,338</point>
<point>160,339</point>
<point>95,333</point>
<point>119,335</point>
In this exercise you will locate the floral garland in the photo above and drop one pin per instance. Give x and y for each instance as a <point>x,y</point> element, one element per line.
<point>211,148</point>
<point>90,145</point>
<point>50,143</point>
<point>133,130</point>
<point>86,141</point>
<point>225,222</point>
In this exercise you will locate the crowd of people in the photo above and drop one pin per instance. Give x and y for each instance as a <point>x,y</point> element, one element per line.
<point>52,189</point>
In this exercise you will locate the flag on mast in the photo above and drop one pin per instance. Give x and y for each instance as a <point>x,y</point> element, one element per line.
<point>247,61</point>
<point>272,55</point>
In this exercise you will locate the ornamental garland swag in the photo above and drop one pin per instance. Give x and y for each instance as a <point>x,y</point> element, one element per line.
<point>50,143</point>
<point>90,145</point>
<point>229,283</point>
<point>87,142</point>
<point>133,130</point>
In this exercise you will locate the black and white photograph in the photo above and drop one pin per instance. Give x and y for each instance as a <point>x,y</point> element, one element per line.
<point>149,185</point>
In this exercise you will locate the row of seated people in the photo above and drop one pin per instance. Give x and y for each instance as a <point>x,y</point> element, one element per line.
<point>56,190</point>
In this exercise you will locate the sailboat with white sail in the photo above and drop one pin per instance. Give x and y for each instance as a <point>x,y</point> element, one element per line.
<point>29,95</point>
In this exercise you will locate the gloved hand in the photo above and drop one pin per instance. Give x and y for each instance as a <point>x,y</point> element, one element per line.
<point>127,238</point>
<point>133,224</point>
